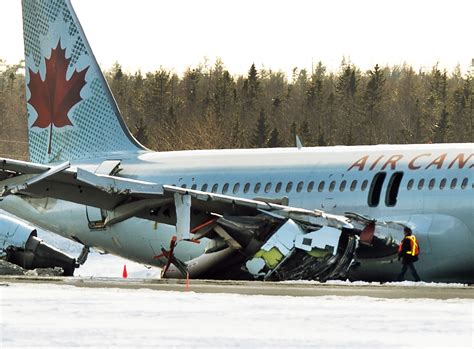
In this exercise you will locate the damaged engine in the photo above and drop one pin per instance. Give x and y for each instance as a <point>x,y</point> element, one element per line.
<point>20,245</point>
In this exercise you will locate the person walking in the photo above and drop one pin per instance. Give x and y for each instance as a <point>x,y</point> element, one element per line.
<point>408,252</point>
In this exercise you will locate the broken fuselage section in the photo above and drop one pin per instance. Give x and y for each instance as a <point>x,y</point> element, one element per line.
<point>265,247</point>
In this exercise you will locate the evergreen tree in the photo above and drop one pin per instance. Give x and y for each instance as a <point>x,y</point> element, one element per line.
<point>261,131</point>
<point>141,132</point>
<point>157,95</point>
<point>443,132</point>
<point>347,108</point>
<point>274,139</point>
<point>253,83</point>
<point>210,108</point>
<point>463,111</point>
<point>293,134</point>
<point>250,92</point>
<point>237,136</point>
<point>305,134</point>
<point>372,105</point>
<point>434,107</point>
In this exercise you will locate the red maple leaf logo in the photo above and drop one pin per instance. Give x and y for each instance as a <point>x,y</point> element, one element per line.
<point>55,96</point>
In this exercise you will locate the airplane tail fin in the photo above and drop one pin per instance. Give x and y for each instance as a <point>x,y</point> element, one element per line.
<point>71,111</point>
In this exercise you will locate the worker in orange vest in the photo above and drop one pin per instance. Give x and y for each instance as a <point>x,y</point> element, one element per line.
<point>408,252</point>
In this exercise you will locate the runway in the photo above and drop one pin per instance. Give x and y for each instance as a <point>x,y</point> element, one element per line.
<point>409,290</point>
<point>98,312</point>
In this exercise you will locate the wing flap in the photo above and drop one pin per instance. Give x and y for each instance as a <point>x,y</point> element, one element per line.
<point>23,167</point>
<point>116,185</point>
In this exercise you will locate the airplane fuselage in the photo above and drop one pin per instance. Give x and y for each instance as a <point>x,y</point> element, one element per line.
<point>429,186</point>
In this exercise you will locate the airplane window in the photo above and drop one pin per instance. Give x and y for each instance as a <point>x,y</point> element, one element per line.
<point>364,185</point>
<point>332,185</point>
<point>321,186</point>
<point>442,184</point>
<point>410,184</point>
<point>342,186</point>
<point>236,188</point>
<point>278,187</point>
<point>453,183</point>
<point>215,187</point>
<point>392,189</point>
<point>225,188</point>
<point>183,186</point>
<point>289,186</point>
<point>464,183</point>
<point>257,188</point>
<point>194,186</point>
<point>421,183</point>
<point>204,187</point>
<point>268,187</point>
<point>246,187</point>
<point>353,185</point>
<point>431,184</point>
<point>299,187</point>
<point>310,186</point>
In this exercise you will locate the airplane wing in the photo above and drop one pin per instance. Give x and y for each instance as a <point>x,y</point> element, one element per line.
<point>249,238</point>
<point>126,198</point>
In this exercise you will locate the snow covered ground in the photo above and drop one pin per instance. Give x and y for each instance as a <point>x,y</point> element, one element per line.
<point>66,316</point>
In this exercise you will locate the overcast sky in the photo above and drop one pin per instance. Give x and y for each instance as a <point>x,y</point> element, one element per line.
<point>277,34</point>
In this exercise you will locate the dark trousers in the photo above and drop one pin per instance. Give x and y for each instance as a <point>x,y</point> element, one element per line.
<point>410,265</point>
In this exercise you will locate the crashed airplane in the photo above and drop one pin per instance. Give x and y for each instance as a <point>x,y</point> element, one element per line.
<point>265,214</point>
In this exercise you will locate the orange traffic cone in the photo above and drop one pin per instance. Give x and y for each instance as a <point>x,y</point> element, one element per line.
<point>124,274</point>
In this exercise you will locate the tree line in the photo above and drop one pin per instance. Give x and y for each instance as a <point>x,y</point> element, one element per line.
<point>208,107</point>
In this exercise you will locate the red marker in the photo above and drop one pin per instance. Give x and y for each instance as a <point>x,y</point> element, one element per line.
<point>124,274</point>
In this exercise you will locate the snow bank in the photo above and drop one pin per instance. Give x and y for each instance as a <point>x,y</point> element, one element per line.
<point>376,284</point>
<point>65,316</point>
